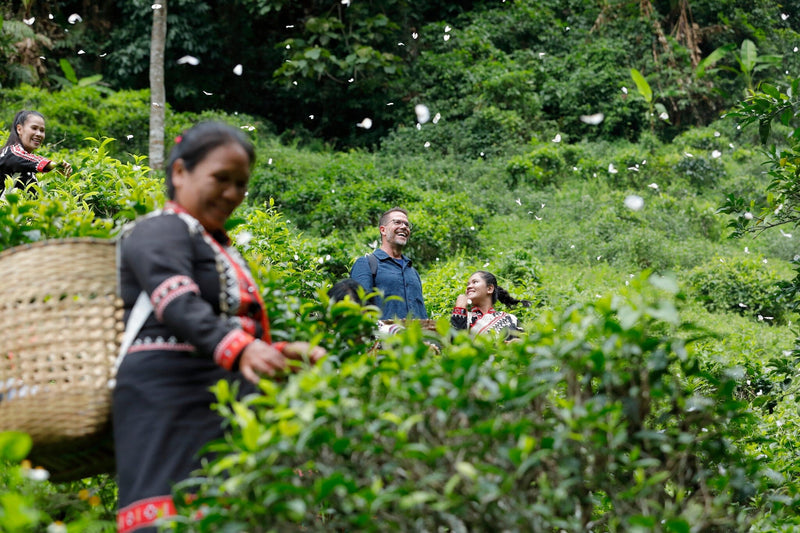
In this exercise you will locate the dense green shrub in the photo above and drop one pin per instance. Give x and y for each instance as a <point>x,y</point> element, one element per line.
<point>601,419</point>
<point>746,285</point>
<point>29,503</point>
<point>75,113</point>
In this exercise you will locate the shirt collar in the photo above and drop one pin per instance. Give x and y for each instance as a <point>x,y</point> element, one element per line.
<point>382,256</point>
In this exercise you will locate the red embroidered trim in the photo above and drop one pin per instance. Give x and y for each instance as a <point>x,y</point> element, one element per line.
<point>161,346</point>
<point>144,513</point>
<point>459,311</point>
<point>280,345</point>
<point>168,290</point>
<point>230,347</point>
<point>22,153</point>
<point>248,324</point>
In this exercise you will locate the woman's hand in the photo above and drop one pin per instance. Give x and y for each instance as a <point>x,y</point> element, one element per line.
<point>66,168</point>
<point>301,350</point>
<point>62,166</point>
<point>462,301</point>
<point>260,358</point>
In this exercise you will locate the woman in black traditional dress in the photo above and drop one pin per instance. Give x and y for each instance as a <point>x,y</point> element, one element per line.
<point>205,322</point>
<point>17,157</point>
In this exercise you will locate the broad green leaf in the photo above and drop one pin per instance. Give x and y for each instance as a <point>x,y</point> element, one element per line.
<point>749,55</point>
<point>14,446</point>
<point>642,86</point>
<point>69,72</point>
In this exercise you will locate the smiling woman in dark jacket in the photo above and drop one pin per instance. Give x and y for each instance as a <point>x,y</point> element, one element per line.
<point>16,156</point>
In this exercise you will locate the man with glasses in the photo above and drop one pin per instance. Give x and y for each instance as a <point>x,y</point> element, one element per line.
<point>390,272</point>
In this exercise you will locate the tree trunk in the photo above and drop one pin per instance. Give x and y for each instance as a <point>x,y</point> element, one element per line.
<point>158,97</point>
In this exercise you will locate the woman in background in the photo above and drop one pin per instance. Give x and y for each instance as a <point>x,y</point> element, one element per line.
<point>475,310</point>
<point>17,157</point>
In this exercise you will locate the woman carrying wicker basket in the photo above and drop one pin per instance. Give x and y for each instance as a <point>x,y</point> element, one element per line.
<point>205,322</point>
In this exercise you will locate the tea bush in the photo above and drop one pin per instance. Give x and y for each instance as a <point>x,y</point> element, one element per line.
<point>744,285</point>
<point>601,419</point>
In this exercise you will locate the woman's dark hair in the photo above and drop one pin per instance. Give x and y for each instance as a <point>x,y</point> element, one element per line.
<point>196,142</point>
<point>342,289</point>
<point>499,292</point>
<point>20,118</point>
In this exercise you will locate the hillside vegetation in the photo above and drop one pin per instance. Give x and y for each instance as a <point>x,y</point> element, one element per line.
<point>655,389</point>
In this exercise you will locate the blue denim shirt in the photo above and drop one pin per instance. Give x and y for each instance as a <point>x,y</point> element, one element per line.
<point>393,279</point>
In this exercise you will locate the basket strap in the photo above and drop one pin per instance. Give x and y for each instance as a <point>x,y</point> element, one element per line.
<point>141,310</point>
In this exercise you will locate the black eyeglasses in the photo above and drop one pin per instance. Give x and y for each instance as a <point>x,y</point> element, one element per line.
<point>405,223</point>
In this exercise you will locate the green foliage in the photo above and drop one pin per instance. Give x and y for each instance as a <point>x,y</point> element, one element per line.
<point>583,425</point>
<point>100,196</point>
<point>80,112</point>
<point>29,503</point>
<point>744,285</point>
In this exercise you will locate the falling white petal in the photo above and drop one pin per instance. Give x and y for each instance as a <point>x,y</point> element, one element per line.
<point>188,60</point>
<point>717,134</point>
<point>238,69</point>
<point>634,202</point>
<point>74,18</point>
<point>447,29</point>
<point>415,35</point>
<point>784,16</point>
<point>207,93</point>
<point>366,123</point>
<point>687,154</point>
<point>519,202</point>
<point>748,216</point>
<point>422,112</point>
<point>129,137</point>
<point>156,6</point>
<point>664,116</point>
<point>612,169</point>
<point>787,235</point>
<point>593,119</point>
<point>557,138</point>
<point>29,21</point>
<point>625,90</point>
<point>653,186</point>
<point>446,37</point>
<point>715,154</point>
<point>427,144</point>
<point>541,54</point>
<point>436,118</point>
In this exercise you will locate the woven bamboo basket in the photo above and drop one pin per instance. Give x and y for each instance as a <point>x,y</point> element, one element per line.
<point>60,329</point>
